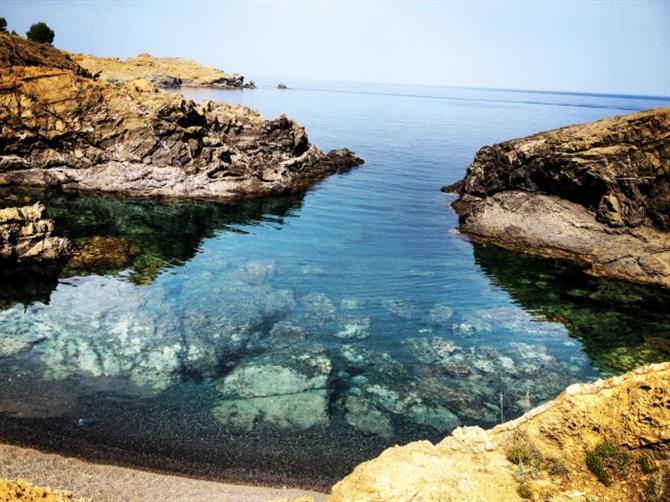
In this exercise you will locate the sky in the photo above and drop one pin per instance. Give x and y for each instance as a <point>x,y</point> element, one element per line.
<point>618,47</point>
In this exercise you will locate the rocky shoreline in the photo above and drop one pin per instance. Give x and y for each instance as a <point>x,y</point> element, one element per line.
<point>597,194</point>
<point>167,73</point>
<point>62,128</point>
<point>606,440</point>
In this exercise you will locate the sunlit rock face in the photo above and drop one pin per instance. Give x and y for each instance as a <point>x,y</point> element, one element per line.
<point>62,128</point>
<point>597,194</point>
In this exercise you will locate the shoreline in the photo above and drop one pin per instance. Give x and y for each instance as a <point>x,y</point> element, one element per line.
<point>111,483</point>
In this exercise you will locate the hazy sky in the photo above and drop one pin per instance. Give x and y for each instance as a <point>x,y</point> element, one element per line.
<point>618,47</point>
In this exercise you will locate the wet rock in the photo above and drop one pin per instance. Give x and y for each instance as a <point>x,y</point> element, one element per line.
<point>26,236</point>
<point>286,331</point>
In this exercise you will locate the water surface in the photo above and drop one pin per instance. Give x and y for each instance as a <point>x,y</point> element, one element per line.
<point>286,340</point>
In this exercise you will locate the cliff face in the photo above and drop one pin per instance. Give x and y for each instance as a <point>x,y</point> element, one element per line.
<point>163,72</point>
<point>604,441</point>
<point>26,236</point>
<point>597,193</point>
<point>60,128</point>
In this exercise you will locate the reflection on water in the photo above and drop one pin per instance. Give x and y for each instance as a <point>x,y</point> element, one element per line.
<point>620,325</point>
<point>286,340</point>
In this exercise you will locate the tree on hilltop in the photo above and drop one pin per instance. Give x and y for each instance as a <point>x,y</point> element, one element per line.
<point>40,32</point>
<point>3,25</point>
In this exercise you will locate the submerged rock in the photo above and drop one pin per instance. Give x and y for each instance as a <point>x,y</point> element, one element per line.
<point>104,253</point>
<point>287,391</point>
<point>597,194</point>
<point>25,236</point>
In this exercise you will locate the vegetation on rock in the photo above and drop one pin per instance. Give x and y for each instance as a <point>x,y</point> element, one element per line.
<point>41,33</point>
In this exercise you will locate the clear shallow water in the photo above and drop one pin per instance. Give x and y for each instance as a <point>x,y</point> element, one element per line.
<point>286,340</point>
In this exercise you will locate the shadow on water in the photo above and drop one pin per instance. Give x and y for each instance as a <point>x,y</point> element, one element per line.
<point>620,325</point>
<point>114,234</point>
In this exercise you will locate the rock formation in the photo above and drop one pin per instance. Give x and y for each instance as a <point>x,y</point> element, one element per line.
<point>26,236</point>
<point>22,490</point>
<point>60,128</point>
<point>609,440</point>
<point>162,72</point>
<point>598,194</point>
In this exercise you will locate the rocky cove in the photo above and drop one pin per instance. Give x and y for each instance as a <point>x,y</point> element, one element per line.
<point>285,339</point>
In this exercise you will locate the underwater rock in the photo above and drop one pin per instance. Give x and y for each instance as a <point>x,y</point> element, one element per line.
<point>398,307</point>
<point>364,418</point>
<point>319,309</point>
<point>354,329</point>
<point>440,314</point>
<point>26,236</point>
<point>437,417</point>
<point>286,331</point>
<point>103,253</point>
<point>285,390</point>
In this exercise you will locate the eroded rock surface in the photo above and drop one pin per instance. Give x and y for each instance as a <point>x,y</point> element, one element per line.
<point>631,412</point>
<point>597,193</point>
<point>60,128</point>
<point>26,236</point>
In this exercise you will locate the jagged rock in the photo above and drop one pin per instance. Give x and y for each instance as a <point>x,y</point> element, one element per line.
<point>597,193</point>
<point>631,411</point>
<point>26,236</point>
<point>59,128</point>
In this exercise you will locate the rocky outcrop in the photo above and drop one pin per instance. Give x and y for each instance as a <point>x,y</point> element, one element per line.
<point>609,440</point>
<point>60,128</point>
<point>22,490</point>
<point>598,194</point>
<point>162,72</point>
<point>26,236</point>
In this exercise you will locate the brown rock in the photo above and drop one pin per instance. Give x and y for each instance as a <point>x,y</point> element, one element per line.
<point>26,236</point>
<point>21,490</point>
<point>62,129</point>
<point>163,72</point>
<point>597,193</point>
<point>632,412</point>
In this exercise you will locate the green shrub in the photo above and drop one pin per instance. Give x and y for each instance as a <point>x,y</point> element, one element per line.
<point>524,491</point>
<point>605,459</point>
<point>519,454</point>
<point>646,465</point>
<point>556,467</point>
<point>40,32</point>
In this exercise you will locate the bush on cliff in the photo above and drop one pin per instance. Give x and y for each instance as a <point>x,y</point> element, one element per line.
<point>3,25</point>
<point>40,32</point>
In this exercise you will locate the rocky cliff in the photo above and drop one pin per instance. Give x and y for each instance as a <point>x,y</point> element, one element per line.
<point>609,440</point>
<point>26,236</point>
<point>162,72</point>
<point>597,193</point>
<point>60,128</point>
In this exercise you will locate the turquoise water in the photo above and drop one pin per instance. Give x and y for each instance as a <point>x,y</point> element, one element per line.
<point>286,340</point>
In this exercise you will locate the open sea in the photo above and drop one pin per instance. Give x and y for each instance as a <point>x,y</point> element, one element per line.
<point>283,341</point>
